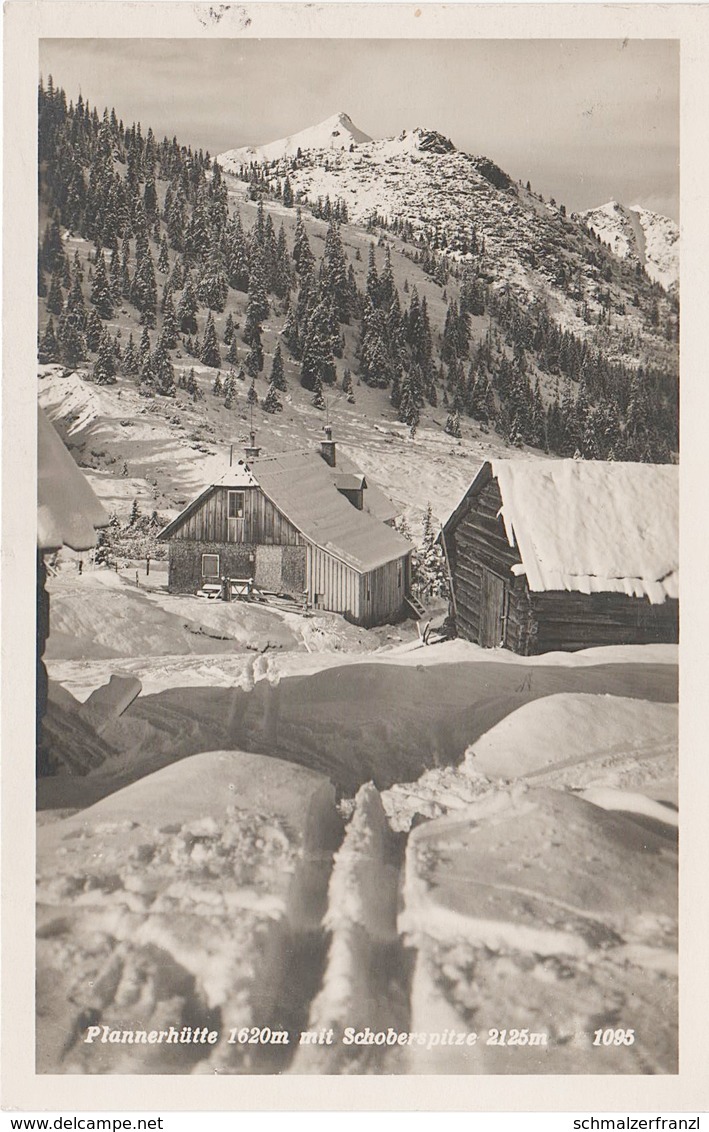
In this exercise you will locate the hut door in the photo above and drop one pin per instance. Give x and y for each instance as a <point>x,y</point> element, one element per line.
<point>492,611</point>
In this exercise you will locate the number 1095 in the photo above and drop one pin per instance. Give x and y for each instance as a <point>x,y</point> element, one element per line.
<point>614,1037</point>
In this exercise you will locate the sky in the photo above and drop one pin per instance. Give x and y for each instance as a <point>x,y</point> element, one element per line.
<point>585,121</point>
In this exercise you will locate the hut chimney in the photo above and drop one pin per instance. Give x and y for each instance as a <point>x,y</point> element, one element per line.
<point>251,449</point>
<point>327,447</point>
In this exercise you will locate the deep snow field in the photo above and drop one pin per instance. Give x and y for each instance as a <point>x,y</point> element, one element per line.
<point>301,825</point>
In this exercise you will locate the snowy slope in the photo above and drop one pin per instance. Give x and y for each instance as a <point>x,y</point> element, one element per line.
<point>336,132</point>
<point>640,236</point>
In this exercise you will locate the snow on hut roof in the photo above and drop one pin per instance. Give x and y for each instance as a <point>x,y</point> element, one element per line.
<point>68,512</point>
<point>375,500</point>
<point>592,526</point>
<point>349,481</point>
<point>302,486</point>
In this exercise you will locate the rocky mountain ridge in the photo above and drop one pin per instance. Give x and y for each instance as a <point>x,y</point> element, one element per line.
<point>419,185</point>
<point>640,236</point>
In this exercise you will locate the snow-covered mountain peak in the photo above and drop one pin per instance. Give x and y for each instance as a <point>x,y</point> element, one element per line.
<point>641,236</point>
<point>338,132</point>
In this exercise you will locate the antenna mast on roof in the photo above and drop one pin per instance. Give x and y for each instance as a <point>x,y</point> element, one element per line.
<point>251,449</point>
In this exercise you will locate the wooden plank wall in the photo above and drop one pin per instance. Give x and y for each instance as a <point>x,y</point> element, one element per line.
<point>382,591</point>
<point>336,584</point>
<point>479,542</point>
<point>572,621</point>
<point>262,523</point>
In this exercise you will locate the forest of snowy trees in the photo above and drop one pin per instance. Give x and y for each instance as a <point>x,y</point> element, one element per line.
<point>166,248</point>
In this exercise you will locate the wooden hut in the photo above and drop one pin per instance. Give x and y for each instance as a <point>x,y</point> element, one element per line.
<point>300,523</point>
<point>566,554</point>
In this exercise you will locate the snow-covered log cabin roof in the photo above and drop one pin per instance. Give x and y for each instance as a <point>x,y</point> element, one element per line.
<point>588,526</point>
<point>304,488</point>
<point>68,512</point>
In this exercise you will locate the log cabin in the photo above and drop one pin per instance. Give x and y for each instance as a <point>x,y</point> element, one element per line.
<point>566,554</point>
<point>305,524</point>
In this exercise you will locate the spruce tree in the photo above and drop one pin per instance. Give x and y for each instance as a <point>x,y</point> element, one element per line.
<point>126,282</point>
<point>411,398</point>
<point>252,395</point>
<point>187,308</point>
<point>131,361</point>
<point>271,403</point>
<point>217,388</point>
<point>104,371</point>
<point>452,425</point>
<point>163,372</point>
<point>334,273</point>
<point>176,278</point>
<point>192,387</point>
<point>278,377</point>
<point>170,332</point>
<point>93,330</point>
<point>229,389</point>
<point>318,397</point>
<point>146,383</point>
<point>232,355</point>
<point>213,287</point>
<point>144,350</point>
<point>72,344</point>
<point>101,291</point>
<point>254,360</point>
<point>163,258</point>
<point>55,298</point>
<point>318,361</point>
<point>209,353</point>
<point>283,276</point>
<point>372,279</point>
<point>302,255</point>
<point>229,329</point>
<point>258,304</point>
<point>237,257</point>
<point>114,276</point>
<point>144,291</point>
<point>48,346</point>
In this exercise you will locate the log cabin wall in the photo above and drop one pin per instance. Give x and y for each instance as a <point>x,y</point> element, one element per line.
<point>478,544</point>
<point>571,621</point>
<point>540,622</point>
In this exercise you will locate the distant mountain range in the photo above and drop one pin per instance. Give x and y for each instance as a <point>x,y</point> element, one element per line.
<point>420,185</point>
<point>641,236</point>
<point>632,233</point>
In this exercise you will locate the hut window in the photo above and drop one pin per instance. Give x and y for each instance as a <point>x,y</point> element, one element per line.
<point>236,504</point>
<point>398,576</point>
<point>210,565</point>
